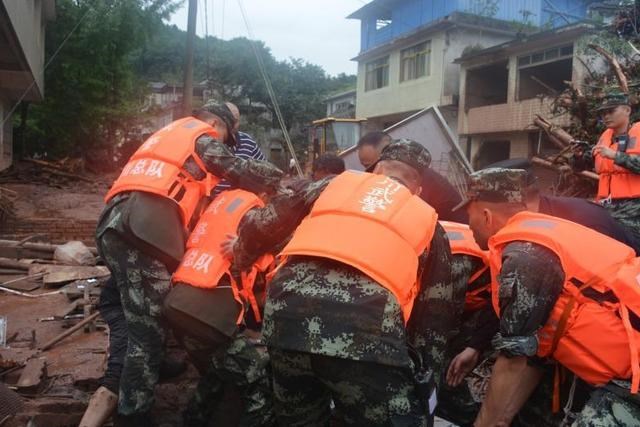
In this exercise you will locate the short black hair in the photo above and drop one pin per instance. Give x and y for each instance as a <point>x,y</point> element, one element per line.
<point>373,139</point>
<point>329,162</point>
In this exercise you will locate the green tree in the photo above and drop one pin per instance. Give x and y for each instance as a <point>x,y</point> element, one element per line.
<point>92,93</point>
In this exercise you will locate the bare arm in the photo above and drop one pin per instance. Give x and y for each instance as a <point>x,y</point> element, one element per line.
<point>512,382</point>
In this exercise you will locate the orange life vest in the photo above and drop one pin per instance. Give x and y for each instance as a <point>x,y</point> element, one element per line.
<point>204,265</point>
<point>462,242</point>
<point>616,181</point>
<point>594,340</point>
<point>158,167</point>
<point>374,224</point>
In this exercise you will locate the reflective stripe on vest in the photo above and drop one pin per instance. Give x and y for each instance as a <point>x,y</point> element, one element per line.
<point>371,223</point>
<point>462,242</point>
<point>204,265</point>
<point>588,338</point>
<point>158,167</point>
<point>617,181</point>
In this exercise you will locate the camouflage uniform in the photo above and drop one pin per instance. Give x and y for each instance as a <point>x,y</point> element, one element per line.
<point>142,240</point>
<point>460,405</point>
<point>530,282</point>
<point>244,362</point>
<point>331,328</point>
<point>625,211</point>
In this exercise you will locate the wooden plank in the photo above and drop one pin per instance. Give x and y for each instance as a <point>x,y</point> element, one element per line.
<point>67,309</point>
<point>27,283</point>
<point>43,247</point>
<point>13,264</point>
<point>32,375</point>
<point>60,274</point>
<point>21,252</point>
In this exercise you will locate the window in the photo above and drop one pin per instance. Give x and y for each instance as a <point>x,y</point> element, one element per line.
<point>381,23</point>
<point>544,72</point>
<point>487,85</point>
<point>415,62</point>
<point>377,74</point>
<point>552,54</point>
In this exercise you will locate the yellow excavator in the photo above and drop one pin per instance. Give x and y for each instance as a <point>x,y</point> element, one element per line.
<point>333,135</point>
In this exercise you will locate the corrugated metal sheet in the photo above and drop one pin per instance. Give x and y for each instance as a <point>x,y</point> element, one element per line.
<point>408,15</point>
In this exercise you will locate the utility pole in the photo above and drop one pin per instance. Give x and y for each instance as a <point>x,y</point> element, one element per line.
<point>187,96</point>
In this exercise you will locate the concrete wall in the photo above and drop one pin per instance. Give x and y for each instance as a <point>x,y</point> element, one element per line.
<point>28,20</point>
<point>440,87</point>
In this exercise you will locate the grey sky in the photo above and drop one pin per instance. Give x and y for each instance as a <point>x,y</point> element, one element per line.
<point>314,30</point>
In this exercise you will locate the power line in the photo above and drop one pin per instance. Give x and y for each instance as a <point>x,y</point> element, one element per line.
<point>270,90</point>
<point>46,65</point>
<point>222,26</point>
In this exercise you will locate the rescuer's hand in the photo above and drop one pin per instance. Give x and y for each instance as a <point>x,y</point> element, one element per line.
<point>228,245</point>
<point>606,152</point>
<point>461,365</point>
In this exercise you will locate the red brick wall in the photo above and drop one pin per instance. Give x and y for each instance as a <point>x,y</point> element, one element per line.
<point>56,230</point>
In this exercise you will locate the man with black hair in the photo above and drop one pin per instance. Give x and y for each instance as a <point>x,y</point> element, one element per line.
<point>437,191</point>
<point>141,233</point>
<point>325,165</point>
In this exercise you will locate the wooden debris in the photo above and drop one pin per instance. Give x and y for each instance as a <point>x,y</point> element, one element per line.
<point>68,332</point>
<point>617,69</point>
<point>564,168</point>
<point>25,283</point>
<point>43,247</point>
<point>32,375</point>
<point>56,275</point>
<point>16,265</point>
<point>66,310</point>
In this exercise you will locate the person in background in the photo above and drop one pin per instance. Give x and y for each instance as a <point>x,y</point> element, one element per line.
<point>325,165</point>
<point>616,159</point>
<point>244,147</point>
<point>437,191</point>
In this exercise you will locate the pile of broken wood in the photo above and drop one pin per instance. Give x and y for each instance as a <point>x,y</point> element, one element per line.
<point>53,173</point>
<point>27,266</point>
<point>38,270</point>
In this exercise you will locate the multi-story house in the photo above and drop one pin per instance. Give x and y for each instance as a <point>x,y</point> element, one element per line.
<point>408,48</point>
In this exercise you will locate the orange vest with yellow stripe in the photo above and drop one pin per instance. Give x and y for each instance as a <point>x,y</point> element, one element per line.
<point>371,223</point>
<point>203,264</point>
<point>462,242</point>
<point>616,181</point>
<point>594,340</point>
<point>158,167</point>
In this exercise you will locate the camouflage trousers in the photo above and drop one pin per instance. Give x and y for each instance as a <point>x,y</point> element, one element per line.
<point>243,363</point>
<point>143,282</point>
<point>627,213</point>
<point>364,393</point>
<point>604,409</point>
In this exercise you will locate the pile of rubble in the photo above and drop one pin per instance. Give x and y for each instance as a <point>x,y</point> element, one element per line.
<point>53,343</point>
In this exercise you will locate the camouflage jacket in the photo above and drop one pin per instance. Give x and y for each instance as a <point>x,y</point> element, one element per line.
<point>161,232</point>
<point>529,283</point>
<point>322,306</point>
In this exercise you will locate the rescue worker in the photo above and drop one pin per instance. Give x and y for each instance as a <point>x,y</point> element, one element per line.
<point>437,191</point>
<point>142,231</point>
<point>559,300</point>
<point>244,146</point>
<point>616,159</point>
<point>365,285</point>
<point>459,399</point>
<point>216,314</point>
<point>582,211</point>
<point>325,165</point>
